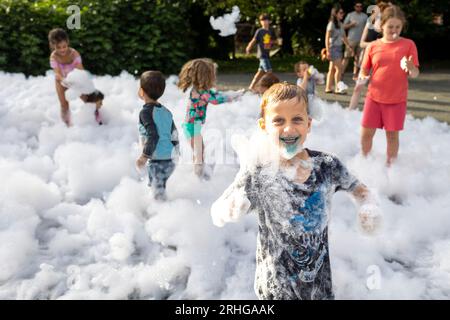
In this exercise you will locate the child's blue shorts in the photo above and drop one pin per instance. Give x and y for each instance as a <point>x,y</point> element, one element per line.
<point>264,64</point>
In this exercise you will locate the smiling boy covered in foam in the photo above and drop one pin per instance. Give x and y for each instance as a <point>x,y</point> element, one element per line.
<point>292,202</point>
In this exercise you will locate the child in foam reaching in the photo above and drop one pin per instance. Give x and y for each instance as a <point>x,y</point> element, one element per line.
<point>200,76</point>
<point>79,84</point>
<point>292,200</point>
<point>392,59</point>
<point>63,60</point>
<point>308,77</point>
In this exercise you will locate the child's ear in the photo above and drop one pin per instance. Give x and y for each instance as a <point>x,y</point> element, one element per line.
<point>309,124</point>
<point>141,93</point>
<point>262,123</point>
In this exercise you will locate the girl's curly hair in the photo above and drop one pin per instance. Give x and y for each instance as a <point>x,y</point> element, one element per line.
<point>198,73</point>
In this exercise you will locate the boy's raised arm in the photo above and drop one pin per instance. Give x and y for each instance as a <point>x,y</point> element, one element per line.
<point>232,204</point>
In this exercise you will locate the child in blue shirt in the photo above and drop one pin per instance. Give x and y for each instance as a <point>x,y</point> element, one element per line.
<point>158,132</point>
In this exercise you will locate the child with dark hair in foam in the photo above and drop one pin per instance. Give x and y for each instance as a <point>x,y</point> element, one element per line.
<point>159,135</point>
<point>69,74</point>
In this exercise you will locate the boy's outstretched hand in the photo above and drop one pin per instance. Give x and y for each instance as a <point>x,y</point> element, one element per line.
<point>369,213</point>
<point>370,219</point>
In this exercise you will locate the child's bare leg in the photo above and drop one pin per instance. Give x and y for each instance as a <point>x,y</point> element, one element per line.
<point>60,90</point>
<point>330,76</point>
<point>366,140</point>
<point>197,148</point>
<point>196,145</point>
<point>355,96</point>
<point>393,143</point>
<point>338,72</point>
<point>355,65</point>
<point>256,78</point>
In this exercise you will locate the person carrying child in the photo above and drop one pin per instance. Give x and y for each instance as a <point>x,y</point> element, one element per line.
<point>292,200</point>
<point>158,133</point>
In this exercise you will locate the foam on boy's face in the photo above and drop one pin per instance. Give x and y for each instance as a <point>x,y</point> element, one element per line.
<point>288,124</point>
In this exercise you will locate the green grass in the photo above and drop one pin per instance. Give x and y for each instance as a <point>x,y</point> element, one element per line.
<point>250,64</point>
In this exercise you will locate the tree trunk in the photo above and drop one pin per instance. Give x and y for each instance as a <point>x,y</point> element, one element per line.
<point>286,33</point>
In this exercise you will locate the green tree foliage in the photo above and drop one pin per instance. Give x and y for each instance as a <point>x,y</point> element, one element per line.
<point>303,22</point>
<point>115,35</point>
<point>135,35</point>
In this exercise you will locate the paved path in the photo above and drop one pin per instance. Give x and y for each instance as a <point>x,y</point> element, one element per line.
<point>429,94</point>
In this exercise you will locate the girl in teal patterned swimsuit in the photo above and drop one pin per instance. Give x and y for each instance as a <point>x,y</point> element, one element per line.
<point>200,76</point>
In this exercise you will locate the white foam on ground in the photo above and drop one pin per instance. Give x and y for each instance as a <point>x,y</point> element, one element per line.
<point>76,220</point>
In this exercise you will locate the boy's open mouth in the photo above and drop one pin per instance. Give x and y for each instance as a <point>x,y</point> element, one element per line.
<point>290,140</point>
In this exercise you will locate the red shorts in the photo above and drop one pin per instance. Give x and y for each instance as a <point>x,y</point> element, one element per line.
<point>391,117</point>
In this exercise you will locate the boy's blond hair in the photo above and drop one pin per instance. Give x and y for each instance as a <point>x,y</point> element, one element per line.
<point>198,73</point>
<point>281,92</point>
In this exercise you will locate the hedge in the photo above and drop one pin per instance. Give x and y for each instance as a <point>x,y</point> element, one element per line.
<point>115,35</point>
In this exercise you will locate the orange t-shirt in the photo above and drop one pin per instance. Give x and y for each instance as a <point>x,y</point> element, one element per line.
<point>389,82</point>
